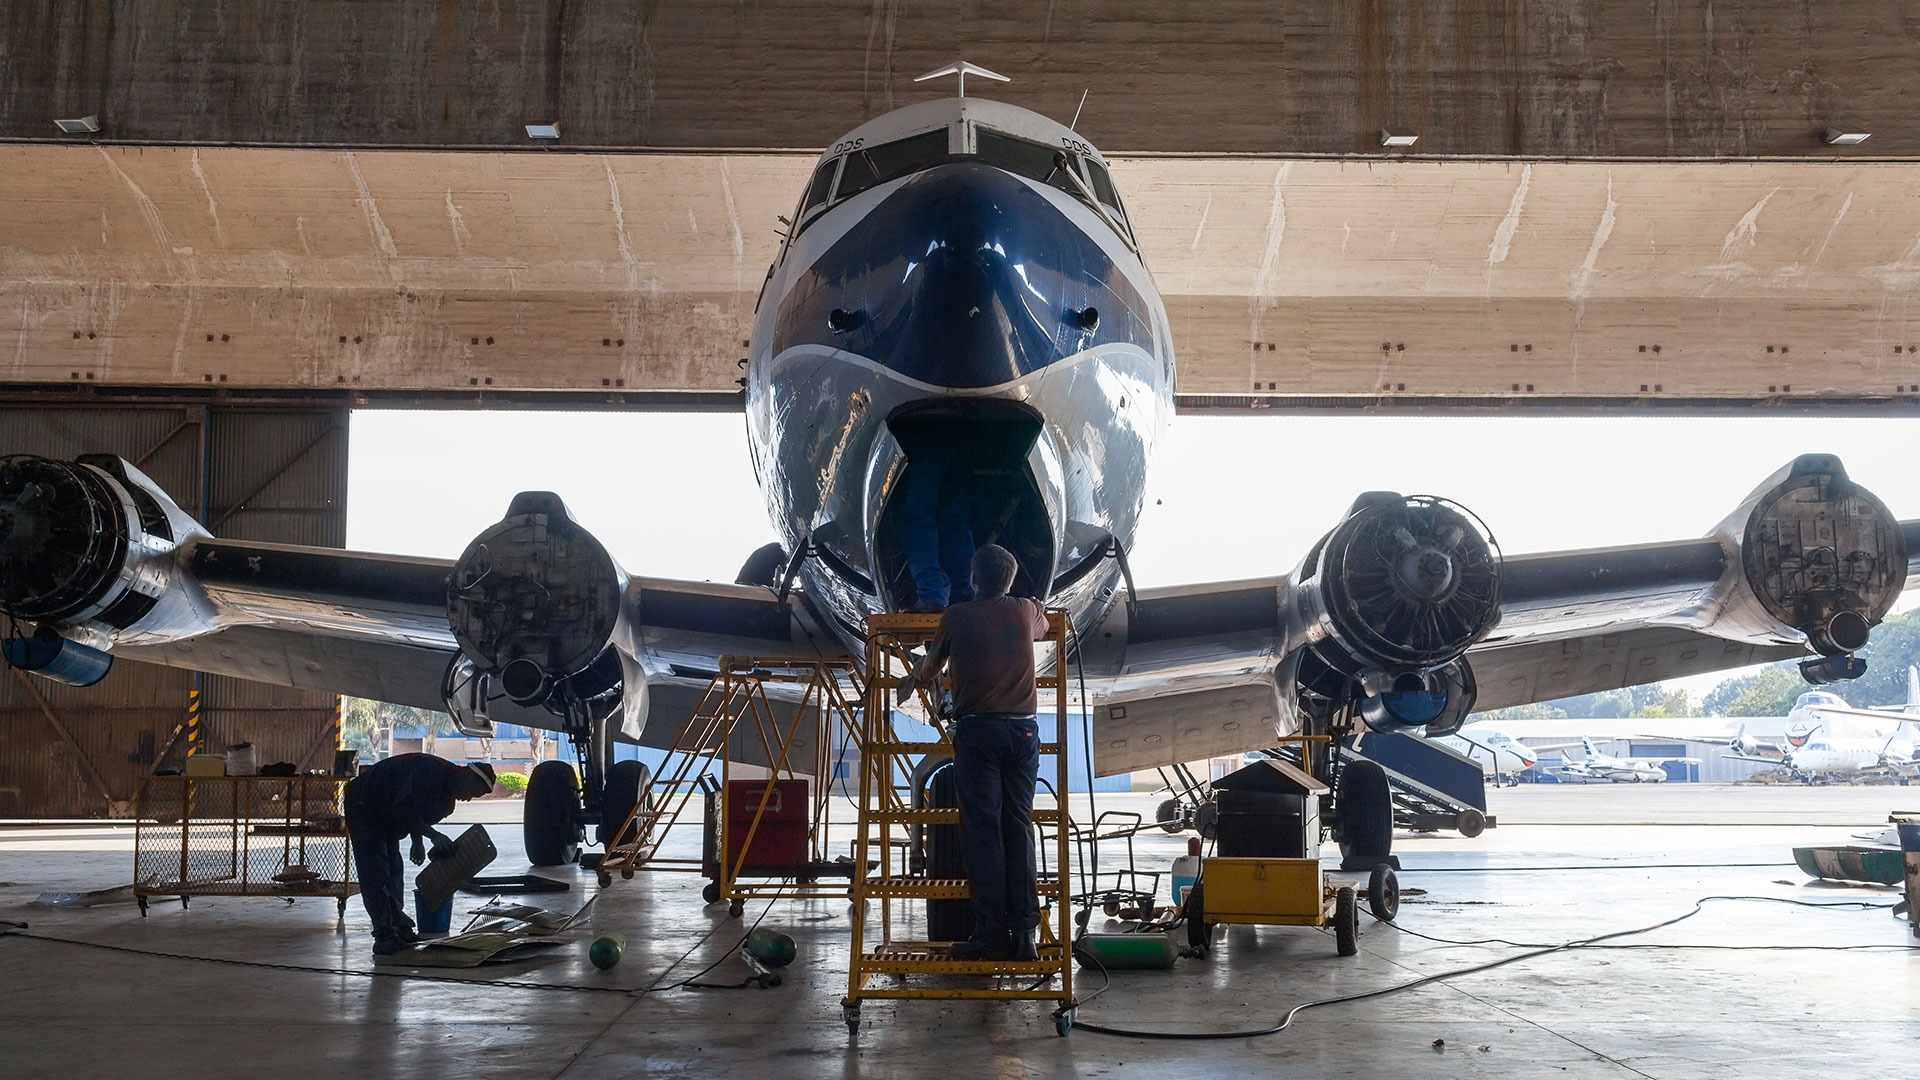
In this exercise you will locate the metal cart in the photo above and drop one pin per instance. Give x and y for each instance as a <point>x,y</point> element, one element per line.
<point>283,836</point>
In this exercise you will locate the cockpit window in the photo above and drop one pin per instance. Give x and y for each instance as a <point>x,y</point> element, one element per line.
<point>818,190</point>
<point>1102,184</point>
<point>890,161</point>
<point>1050,165</point>
<point>1035,161</point>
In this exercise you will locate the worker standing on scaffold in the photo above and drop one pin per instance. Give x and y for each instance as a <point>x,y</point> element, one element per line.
<point>987,644</point>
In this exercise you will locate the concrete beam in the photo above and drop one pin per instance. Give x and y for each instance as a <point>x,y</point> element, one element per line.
<point>435,272</point>
<point>1584,78</point>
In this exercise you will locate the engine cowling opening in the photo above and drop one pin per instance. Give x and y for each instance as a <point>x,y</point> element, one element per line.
<point>1408,583</point>
<point>535,600</point>
<point>1823,555</point>
<point>64,535</point>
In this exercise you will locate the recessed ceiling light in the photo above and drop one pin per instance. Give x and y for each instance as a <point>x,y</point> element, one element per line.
<point>85,125</point>
<point>1388,139</point>
<point>543,131</point>
<point>1836,137</point>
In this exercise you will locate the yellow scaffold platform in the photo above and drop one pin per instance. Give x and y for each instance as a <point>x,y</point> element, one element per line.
<point>886,962</point>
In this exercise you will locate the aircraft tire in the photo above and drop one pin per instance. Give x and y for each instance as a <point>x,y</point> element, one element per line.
<point>626,783</point>
<point>551,822</point>
<point>1366,812</point>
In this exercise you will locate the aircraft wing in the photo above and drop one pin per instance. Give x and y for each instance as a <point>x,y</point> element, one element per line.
<point>536,589</point>
<point>376,626</point>
<point>1396,607</point>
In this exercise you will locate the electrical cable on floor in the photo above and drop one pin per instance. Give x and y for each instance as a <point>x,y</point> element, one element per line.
<point>1286,1020</point>
<point>1602,866</point>
<point>688,983</point>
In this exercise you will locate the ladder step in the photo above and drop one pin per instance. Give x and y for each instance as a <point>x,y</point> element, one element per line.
<point>940,817</point>
<point>916,887</point>
<point>876,748</point>
<point>937,962</point>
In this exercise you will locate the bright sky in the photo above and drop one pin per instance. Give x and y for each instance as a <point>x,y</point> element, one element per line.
<point>673,495</point>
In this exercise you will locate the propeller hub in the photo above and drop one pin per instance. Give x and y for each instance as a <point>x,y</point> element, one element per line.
<point>1424,575</point>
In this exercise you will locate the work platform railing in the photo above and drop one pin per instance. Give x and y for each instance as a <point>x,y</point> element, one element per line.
<point>887,960</point>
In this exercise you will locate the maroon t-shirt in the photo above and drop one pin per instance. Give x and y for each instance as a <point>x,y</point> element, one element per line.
<point>988,647</point>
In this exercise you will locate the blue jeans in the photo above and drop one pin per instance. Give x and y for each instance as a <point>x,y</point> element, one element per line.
<point>935,526</point>
<point>996,761</point>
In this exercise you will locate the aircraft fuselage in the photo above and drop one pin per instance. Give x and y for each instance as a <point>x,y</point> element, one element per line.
<point>948,290</point>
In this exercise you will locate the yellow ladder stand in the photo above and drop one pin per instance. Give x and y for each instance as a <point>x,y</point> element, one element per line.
<point>738,699</point>
<point>885,966</point>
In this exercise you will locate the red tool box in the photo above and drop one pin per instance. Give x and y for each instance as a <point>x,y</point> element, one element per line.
<point>780,840</point>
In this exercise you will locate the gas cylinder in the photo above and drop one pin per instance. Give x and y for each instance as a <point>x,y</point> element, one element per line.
<point>606,950</point>
<point>770,947</point>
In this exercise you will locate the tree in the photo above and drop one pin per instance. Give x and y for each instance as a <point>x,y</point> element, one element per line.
<point>367,725</point>
<point>1539,710</point>
<point>1771,691</point>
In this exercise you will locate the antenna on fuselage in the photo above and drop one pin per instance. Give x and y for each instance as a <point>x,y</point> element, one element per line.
<point>963,69</point>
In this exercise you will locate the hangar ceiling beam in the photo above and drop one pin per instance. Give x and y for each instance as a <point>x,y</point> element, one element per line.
<point>1579,78</point>
<point>394,274</point>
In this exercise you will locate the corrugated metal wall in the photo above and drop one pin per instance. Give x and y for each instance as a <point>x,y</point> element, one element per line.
<point>276,475</point>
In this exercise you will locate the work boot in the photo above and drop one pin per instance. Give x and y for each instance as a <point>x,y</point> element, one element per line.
<point>976,949</point>
<point>1023,946</point>
<point>387,945</point>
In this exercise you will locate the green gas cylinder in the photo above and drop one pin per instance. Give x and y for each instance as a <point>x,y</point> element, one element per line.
<point>770,947</point>
<point>606,950</point>
<point>1126,952</point>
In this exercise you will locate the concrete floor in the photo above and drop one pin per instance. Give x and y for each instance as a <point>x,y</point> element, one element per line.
<point>1566,863</point>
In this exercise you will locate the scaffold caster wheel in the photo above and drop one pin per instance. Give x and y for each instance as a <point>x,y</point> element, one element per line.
<point>1346,921</point>
<point>143,906</point>
<point>626,875</point>
<point>735,908</point>
<point>711,894</point>
<point>851,1014</point>
<point>1383,893</point>
<point>340,906</point>
<point>605,879</point>
<point>1080,920</point>
<point>1063,1022</point>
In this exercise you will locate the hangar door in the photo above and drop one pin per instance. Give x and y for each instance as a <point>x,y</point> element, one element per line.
<point>247,473</point>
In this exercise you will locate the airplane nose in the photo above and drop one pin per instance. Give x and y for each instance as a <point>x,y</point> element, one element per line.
<point>964,277</point>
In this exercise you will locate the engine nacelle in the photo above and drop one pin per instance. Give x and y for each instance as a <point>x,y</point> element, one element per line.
<point>85,545</point>
<point>535,602</point>
<point>1388,604</point>
<point>1818,555</point>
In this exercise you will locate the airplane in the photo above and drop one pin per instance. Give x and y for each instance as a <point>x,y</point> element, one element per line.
<point>1826,738</point>
<point>960,292</point>
<point>1598,766</point>
<point>1502,758</point>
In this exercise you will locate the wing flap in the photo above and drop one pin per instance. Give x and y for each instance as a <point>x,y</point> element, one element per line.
<point>1520,673</point>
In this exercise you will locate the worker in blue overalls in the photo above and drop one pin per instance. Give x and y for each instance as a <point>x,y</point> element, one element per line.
<point>987,647</point>
<point>404,796</point>
<point>935,524</point>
